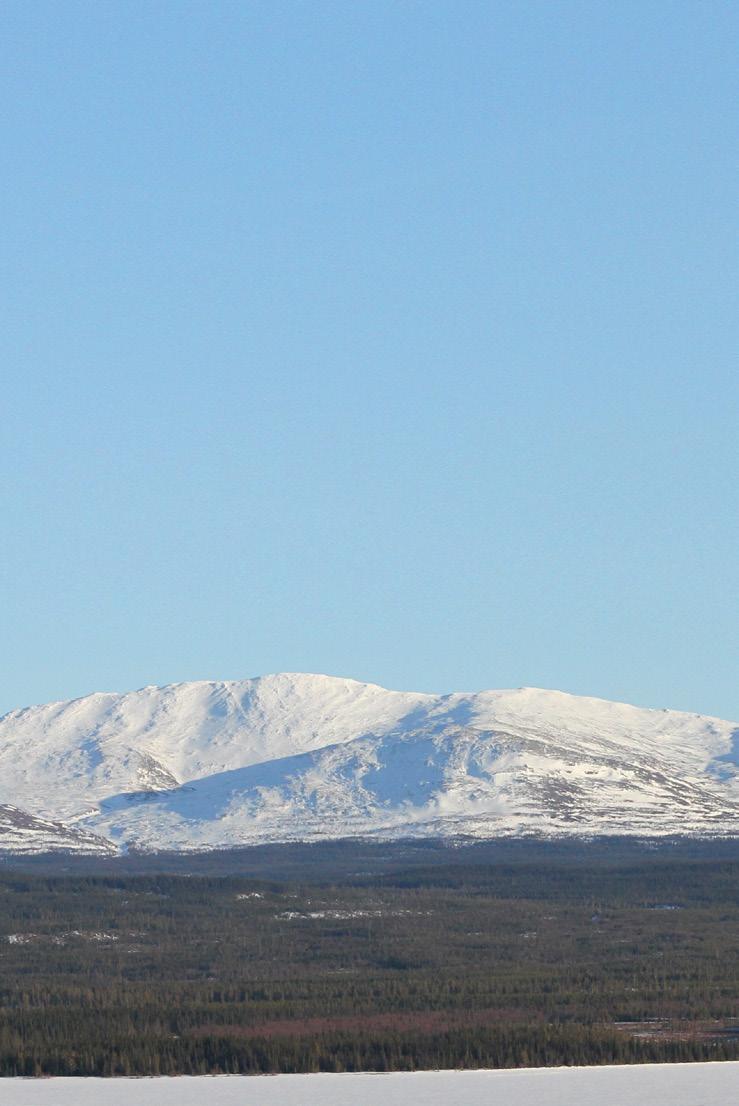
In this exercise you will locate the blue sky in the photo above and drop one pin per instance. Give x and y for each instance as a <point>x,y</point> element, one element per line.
<point>388,340</point>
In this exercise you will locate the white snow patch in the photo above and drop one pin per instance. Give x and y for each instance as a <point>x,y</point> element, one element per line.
<point>634,1085</point>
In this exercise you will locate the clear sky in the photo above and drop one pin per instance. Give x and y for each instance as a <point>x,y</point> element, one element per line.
<point>392,340</point>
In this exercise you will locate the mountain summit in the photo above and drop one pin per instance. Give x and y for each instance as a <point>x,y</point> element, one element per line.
<point>301,757</point>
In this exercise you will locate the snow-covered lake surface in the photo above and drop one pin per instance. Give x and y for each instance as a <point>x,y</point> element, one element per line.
<point>637,1085</point>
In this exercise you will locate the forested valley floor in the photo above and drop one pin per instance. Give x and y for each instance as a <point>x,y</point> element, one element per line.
<point>354,956</point>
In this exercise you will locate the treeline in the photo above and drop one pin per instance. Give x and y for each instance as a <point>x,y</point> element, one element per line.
<point>350,860</point>
<point>518,1046</point>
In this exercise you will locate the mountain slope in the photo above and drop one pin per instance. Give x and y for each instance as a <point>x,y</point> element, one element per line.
<point>22,833</point>
<point>59,758</point>
<point>291,756</point>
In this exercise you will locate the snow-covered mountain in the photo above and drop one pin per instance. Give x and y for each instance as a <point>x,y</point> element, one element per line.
<point>206,765</point>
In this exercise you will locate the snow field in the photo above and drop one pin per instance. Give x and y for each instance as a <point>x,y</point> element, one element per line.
<point>634,1085</point>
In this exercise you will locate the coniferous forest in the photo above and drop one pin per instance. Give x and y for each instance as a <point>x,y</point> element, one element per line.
<point>356,956</point>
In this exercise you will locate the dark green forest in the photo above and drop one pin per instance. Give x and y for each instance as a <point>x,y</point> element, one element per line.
<point>353,956</point>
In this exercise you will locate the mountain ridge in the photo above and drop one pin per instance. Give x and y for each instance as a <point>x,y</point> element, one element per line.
<point>301,756</point>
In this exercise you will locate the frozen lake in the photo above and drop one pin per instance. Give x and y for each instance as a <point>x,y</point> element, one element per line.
<point>637,1085</point>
